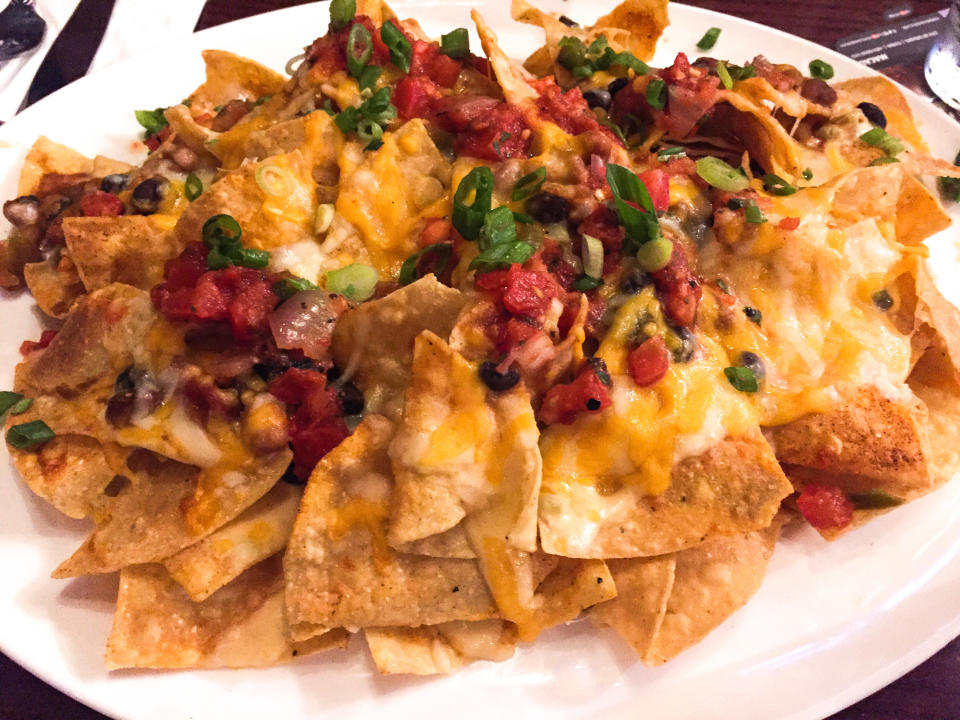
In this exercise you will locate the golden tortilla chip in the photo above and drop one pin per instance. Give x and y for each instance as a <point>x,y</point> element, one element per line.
<point>373,343</point>
<point>511,77</point>
<point>884,94</point>
<point>257,533</point>
<point>129,249</point>
<point>668,603</point>
<point>644,20</point>
<point>439,649</point>
<point>340,570</point>
<point>158,626</point>
<point>231,77</point>
<point>47,156</point>
<point>54,284</point>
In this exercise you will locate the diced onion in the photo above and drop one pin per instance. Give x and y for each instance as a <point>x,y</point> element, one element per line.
<point>592,256</point>
<point>322,218</point>
<point>305,322</point>
<point>355,281</point>
<point>720,175</point>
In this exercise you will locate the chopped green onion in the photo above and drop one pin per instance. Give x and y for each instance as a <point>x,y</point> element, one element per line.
<point>359,49</point>
<point>641,226</point>
<point>261,100</point>
<point>521,217</point>
<point>355,281</point>
<point>341,13</point>
<point>322,218</point>
<point>741,73</point>
<point>477,187</point>
<point>709,39</point>
<point>252,258</point>
<point>8,399</point>
<point>657,94</point>
<point>592,252</point>
<point>776,185</point>
<point>880,138</point>
<point>455,44</point>
<point>499,245</point>
<point>192,187</point>
<point>807,174</point>
<point>21,406</point>
<point>885,160</point>
<point>290,286</point>
<point>529,184</point>
<point>368,78</point>
<point>585,283</point>
<point>821,70</point>
<point>410,269</point>
<point>670,153</point>
<point>221,229</point>
<point>654,255</point>
<point>152,121</point>
<point>753,214</point>
<point>724,75</point>
<point>874,500</point>
<point>742,379</point>
<point>397,44</point>
<point>274,180</point>
<point>29,435</point>
<point>720,175</point>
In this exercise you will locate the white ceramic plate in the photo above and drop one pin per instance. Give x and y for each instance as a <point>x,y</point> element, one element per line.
<point>831,624</point>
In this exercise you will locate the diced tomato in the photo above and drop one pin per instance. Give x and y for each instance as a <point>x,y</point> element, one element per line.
<point>825,507</point>
<point>413,97</point>
<point>657,183</point>
<point>436,230</point>
<point>484,127</point>
<point>563,403</point>
<point>679,290</point>
<point>649,361</point>
<point>568,110</point>
<point>155,141</point>
<point>691,93</point>
<point>529,294</point>
<point>426,59</point>
<point>46,337</point>
<point>789,223</point>
<point>101,204</point>
<point>603,224</point>
<point>515,332</point>
<point>317,424</point>
<point>553,262</point>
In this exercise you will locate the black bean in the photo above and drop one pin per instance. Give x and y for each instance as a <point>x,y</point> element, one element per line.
<point>496,381</point>
<point>148,195</point>
<point>593,404</point>
<point>22,211</point>
<point>635,281</point>
<point>115,183</point>
<point>753,315</point>
<point>873,114</point>
<point>882,299</point>
<point>548,208</point>
<point>351,399</point>
<point>598,98</point>
<point>568,22</point>
<point>688,345</point>
<point>617,85</point>
<point>753,362</point>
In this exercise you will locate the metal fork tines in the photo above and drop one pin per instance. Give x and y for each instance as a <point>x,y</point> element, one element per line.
<point>21,29</point>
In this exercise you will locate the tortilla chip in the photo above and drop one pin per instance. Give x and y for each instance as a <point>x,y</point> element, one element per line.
<point>157,625</point>
<point>129,249</point>
<point>230,77</point>
<point>884,94</point>
<point>373,343</point>
<point>340,570</point>
<point>54,284</point>
<point>70,472</point>
<point>644,20</point>
<point>257,533</point>
<point>669,603</point>
<point>919,213</point>
<point>512,78</point>
<point>47,156</point>
<point>439,649</point>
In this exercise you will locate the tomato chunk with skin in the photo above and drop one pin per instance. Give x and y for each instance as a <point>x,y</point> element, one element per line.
<point>101,204</point>
<point>679,289</point>
<point>825,507</point>
<point>563,403</point>
<point>46,337</point>
<point>657,183</point>
<point>649,361</point>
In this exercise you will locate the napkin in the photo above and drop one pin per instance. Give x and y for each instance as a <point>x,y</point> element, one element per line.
<point>135,26</point>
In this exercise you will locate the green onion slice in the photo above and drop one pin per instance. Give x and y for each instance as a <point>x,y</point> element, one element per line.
<point>753,214</point>
<point>274,180</point>
<point>880,138</point>
<point>252,258</point>
<point>592,253</point>
<point>874,500</point>
<point>776,185</point>
<point>28,436</point>
<point>821,70</point>
<point>709,39</point>
<point>368,77</point>
<point>455,44</point>
<point>397,44</point>
<point>221,229</point>
<point>359,49</point>
<point>192,187</point>
<point>410,269</point>
<point>341,13</point>
<point>742,379</point>
<point>657,94</point>
<point>670,153</point>
<point>654,255</point>
<point>8,399</point>
<point>585,283</point>
<point>477,189</point>
<point>355,281</point>
<point>529,184</point>
<point>287,287</point>
<point>720,175</point>
<point>21,406</point>
<point>724,75</point>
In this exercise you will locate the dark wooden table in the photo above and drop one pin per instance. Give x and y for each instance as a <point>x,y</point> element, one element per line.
<point>931,691</point>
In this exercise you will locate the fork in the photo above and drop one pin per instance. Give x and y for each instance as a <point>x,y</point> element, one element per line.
<point>21,29</point>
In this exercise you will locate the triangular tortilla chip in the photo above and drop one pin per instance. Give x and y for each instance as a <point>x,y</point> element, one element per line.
<point>158,626</point>
<point>257,533</point>
<point>439,649</point>
<point>47,156</point>
<point>340,570</point>
<point>511,76</point>
<point>373,343</point>
<point>231,77</point>
<point>54,284</point>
